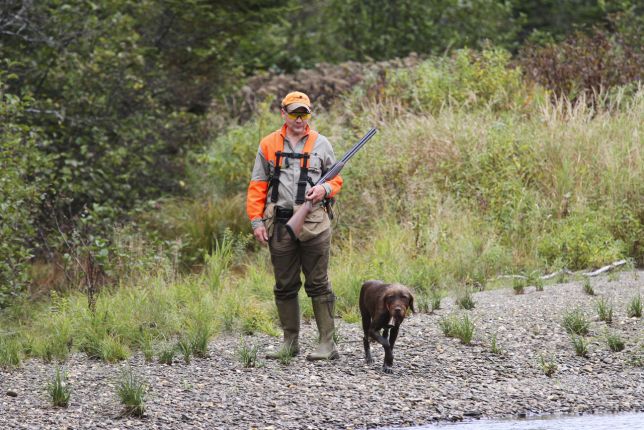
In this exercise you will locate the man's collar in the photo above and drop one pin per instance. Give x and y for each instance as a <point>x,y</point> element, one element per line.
<point>306,131</point>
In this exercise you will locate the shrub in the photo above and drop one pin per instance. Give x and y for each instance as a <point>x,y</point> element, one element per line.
<point>583,64</point>
<point>580,242</point>
<point>467,78</point>
<point>22,186</point>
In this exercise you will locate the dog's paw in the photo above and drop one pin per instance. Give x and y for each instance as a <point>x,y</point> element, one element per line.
<point>388,370</point>
<point>369,360</point>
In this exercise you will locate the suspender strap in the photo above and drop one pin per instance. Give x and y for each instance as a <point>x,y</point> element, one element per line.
<point>275,180</point>
<point>304,175</point>
<point>278,141</point>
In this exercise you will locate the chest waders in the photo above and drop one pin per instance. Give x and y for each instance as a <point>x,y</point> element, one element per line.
<point>289,309</point>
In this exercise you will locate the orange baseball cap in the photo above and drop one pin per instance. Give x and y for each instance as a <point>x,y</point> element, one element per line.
<point>295,100</point>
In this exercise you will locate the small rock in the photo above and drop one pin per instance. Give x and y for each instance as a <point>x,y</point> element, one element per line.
<point>12,393</point>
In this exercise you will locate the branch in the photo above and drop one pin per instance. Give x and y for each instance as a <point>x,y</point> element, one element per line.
<point>568,272</point>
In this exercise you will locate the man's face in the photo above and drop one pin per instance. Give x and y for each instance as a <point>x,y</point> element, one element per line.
<point>296,120</point>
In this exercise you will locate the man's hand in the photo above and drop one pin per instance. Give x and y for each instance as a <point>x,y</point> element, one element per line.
<point>316,194</point>
<point>261,234</point>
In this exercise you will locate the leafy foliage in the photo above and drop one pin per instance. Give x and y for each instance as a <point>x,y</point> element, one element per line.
<point>21,191</point>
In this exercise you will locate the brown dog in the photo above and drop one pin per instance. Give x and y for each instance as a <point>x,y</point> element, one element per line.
<point>383,307</point>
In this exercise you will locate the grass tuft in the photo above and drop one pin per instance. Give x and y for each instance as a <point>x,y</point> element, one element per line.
<point>285,356</point>
<point>588,288</point>
<point>615,342</point>
<point>184,346</point>
<point>548,366</point>
<point>465,300</point>
<point>580,344</point>
<point>494,347</point>
<point>435,300</point>
<point>462,328</point>
<point>10,352</point>
<point>59,389</point>
<point>518,285</point>
<point>131,390</point>
<point>248,355</point>
<point>604,310</point>
<point>167,353</point>
<point>575,322</point>
<point>634,308</point>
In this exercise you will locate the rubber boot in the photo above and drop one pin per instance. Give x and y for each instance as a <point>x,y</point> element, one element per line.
<point>289,314</point>
<point>323,310</point>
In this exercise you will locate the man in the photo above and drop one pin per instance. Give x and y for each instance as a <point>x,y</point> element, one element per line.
<point>289,161</point>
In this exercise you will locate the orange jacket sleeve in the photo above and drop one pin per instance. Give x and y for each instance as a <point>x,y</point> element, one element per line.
<point>256,199</point>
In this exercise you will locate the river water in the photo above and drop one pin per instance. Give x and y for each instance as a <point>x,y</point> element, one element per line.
<point>631,421</point>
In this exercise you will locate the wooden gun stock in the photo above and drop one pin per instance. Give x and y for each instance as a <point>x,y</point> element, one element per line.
<point>296,223</point>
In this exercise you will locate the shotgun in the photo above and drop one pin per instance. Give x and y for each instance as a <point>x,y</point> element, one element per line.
<point>295,224</point>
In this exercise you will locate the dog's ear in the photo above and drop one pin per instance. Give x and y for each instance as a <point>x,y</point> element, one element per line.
<point>411,303</point>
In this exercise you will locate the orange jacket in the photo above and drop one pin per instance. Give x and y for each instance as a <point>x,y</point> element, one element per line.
<point>321,160</point>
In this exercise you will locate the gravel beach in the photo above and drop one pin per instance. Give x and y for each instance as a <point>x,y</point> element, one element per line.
<point>435,378</point>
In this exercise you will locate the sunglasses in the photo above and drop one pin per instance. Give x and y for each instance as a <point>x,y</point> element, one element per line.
<point>296,115</point>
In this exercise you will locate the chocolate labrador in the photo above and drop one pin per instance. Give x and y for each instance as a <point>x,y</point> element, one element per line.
<point>383,307</point>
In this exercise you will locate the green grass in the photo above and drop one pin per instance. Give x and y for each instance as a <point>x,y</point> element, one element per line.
<point>548,365</point>
<point>167,353</point>
<point>131,391</point>
<point>10,352</point>
<point>248,355</point>
<point>461,328</point>
<point>634,308</point>
<point>518,285</point>
<point>604,310</point>
<point>494,346</point>
<point>184,347</point>
<point>588,288</point>
<point>534,278</point>
<point>285,356</point>
<point>576,322</point>
<point>580,344</point>
<point>59,389</point>
<point>615,342</point>
<point>465,300</point>
<point>435,300</point>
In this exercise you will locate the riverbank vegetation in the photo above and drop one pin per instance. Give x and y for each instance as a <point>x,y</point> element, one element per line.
<point>123,225</point>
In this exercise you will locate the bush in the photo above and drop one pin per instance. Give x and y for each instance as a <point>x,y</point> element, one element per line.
<point>580,242</point>
<point>21,189</point>
<point>583,65</point>
<point>467,79</point>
